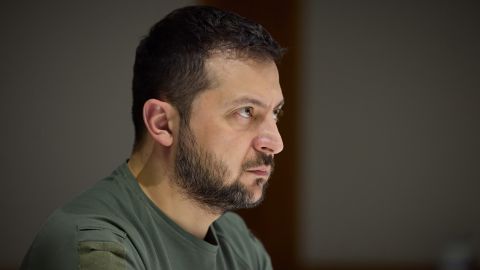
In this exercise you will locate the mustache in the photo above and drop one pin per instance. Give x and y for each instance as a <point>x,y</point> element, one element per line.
<point>260,159</point>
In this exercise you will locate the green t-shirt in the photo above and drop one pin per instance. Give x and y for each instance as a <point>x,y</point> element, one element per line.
<point>114,225</point>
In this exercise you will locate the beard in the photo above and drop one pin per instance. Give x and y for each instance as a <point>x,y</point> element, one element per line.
<point>201,176</point>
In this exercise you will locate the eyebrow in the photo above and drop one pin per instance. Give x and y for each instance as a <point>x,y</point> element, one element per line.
<point>254,101</point>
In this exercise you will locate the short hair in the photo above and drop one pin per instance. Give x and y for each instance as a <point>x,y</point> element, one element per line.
<point>170,60</point>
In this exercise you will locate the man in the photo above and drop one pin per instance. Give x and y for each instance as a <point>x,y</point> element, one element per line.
<point>206,101</point>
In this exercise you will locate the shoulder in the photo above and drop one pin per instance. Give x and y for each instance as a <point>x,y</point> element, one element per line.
<point>90,228</point>
<point>234,235</point>
<point>72,241</point>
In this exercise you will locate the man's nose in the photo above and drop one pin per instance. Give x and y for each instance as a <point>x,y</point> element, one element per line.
<point>269,140</point>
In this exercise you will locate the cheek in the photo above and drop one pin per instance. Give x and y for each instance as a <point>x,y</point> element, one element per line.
<point>221,138</point>
<point>229,145</point>
<point>233,151</point>
<point>236,153</point>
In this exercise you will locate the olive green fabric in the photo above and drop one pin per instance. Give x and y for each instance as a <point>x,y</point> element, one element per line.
<point>101,255</point>
<point>114,225</point>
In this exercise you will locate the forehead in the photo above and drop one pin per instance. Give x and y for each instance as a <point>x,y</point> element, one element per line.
<point>240,78</point>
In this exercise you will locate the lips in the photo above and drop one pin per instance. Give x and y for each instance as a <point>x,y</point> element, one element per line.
<point>263,171</point>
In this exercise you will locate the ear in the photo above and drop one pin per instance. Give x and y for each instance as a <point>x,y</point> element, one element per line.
<point>158,117</point>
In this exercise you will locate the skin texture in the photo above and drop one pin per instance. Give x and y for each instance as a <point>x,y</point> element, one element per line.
<point>200,176</point>
<point>234,121</point>
<point>220,116</point>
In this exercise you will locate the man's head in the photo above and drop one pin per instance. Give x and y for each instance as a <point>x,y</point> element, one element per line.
<point>217,71</point>
<point>170,60</point>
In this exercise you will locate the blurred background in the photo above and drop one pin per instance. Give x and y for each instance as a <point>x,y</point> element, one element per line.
<point>381,168</point>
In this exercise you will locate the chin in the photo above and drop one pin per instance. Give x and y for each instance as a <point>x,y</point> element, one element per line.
<point>257,197</point>
<point>257,189</point>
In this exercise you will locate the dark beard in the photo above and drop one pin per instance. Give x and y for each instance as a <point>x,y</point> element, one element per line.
<point>201,176</point>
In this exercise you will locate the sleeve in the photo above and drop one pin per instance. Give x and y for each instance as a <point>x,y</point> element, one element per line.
<point>85,245</point>
<point>100,247</point>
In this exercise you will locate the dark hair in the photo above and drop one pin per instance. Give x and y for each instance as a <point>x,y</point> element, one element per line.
<point>169,62</point>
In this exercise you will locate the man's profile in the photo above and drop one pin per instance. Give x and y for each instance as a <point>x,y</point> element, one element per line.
<point>206,101</point>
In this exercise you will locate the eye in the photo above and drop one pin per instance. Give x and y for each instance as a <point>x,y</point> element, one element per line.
<point>246,112</point>
<point>277,114</point>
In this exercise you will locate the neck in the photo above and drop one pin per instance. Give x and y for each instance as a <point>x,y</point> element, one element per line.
<point>154,174</point>
<point>139,157</point>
